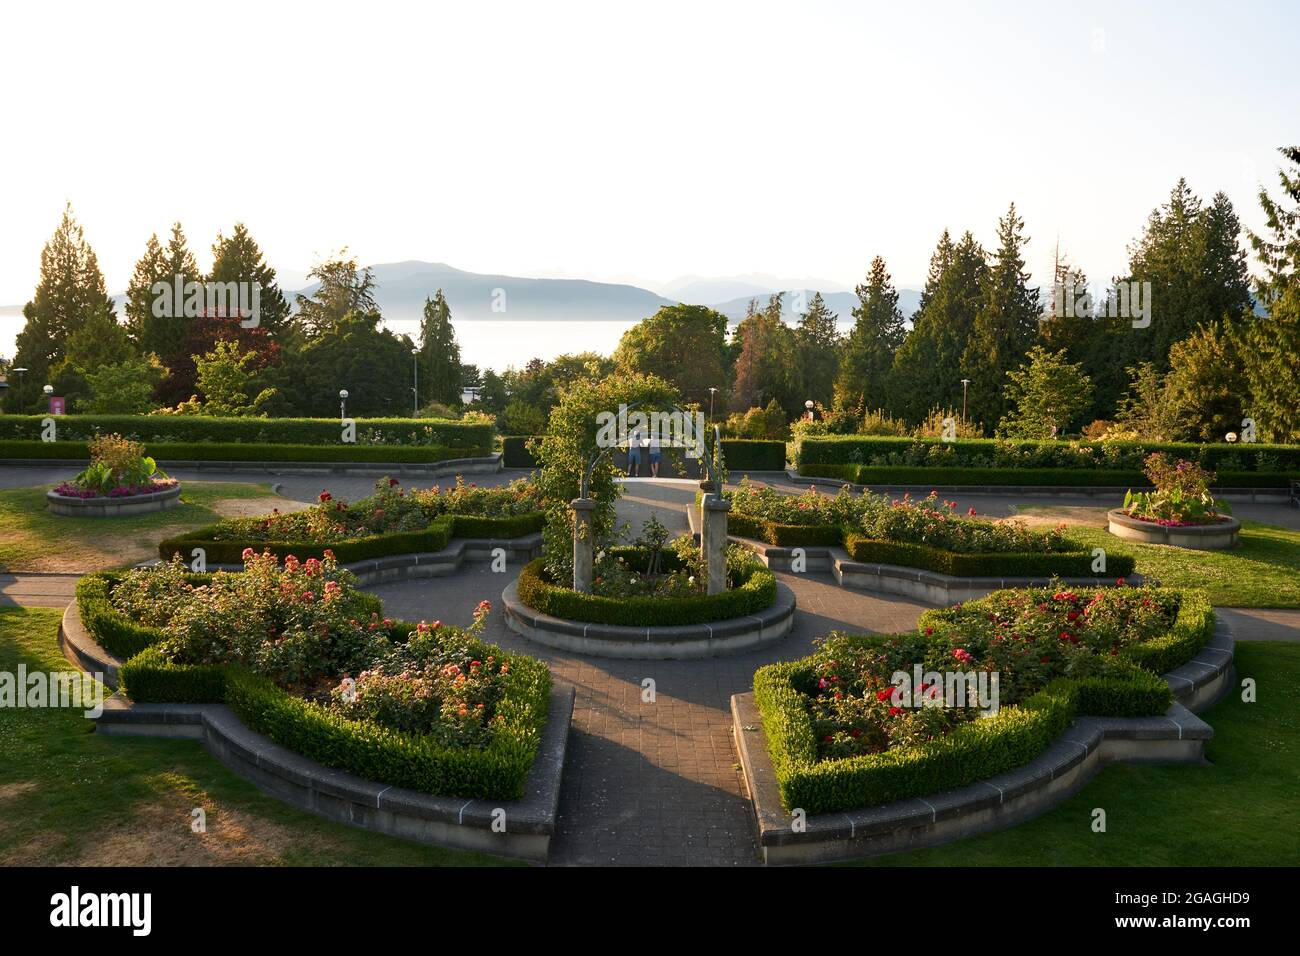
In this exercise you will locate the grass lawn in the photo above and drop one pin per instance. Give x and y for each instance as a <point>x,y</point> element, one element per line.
<point>32,539</point>
<point>69,796</point>
<point>1238,810</point>
<point>1264,571</point>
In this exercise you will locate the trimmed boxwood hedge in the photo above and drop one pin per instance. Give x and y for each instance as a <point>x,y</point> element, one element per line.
<point>975,750</point>
<point>756,592</point>
<point>213,451</point>
<point>515,452</point>
<point>997,564</point>
<point>184,429</point>
<point>433,538</point>
<point>1071,477</point>
<point>497,772</point>
<point>1032,455</point>
<point>783,535</point>
<point>743,454</point>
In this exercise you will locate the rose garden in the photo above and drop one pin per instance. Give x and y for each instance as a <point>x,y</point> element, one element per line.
<point>421,649</point>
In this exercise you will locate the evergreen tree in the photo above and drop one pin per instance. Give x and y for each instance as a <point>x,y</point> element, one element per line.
<point>1046,396</point>
<point>927,369</point>
<point>355,353</point>
<point>1005,326</point>
<point>1272,344</point>
<point>767,365</point>
<point>1280,251</point>
<point>818,341</point>
<point>439,357</point>
<point>868,353</point>
<point>69,294</point>
<point>240,259</point>
<point>162,335</point>
<point>341,288</point>
<point>1206,384</point>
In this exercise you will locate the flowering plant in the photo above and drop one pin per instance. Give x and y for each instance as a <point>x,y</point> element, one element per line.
<point>1026,637</point>
<point>118,468</point>
<point>1181,496</point>
<point>937,524</point>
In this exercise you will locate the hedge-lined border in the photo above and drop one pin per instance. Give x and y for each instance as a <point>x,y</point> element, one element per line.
<point>756,592</point>
<point>346,551</point>
<point>975,750</point>
<point>515,452</point>
<point>746,454</point>
<point>499,771</point>
<point>858,449</point>
<point>943,476</point>
<point>212,451</point>
<point>186,429</point>
<point>923,557</point>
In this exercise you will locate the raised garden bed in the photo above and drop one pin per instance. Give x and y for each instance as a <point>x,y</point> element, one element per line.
<point>110,506</point>
<point>1209,536</point>
<point>932,783</point>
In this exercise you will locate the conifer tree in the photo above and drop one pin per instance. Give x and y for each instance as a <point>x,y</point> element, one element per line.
<point>162,335</point>
<point>1279,252</point>
<point>238,258</point>
<point>868,354</point>
<point>439,358</point>
<point>818,341</point>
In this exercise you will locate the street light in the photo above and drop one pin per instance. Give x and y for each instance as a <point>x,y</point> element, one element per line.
<point>415,355</point>
<point>809,405</point>
<point>711,391</point>
<point>964,383</point>
<point>343,403</point>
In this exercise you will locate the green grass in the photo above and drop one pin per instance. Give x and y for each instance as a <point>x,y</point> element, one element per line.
<point>33,539</point>
<point>68,795</point>
<point>1240,809</point>
<point>1264,571</point>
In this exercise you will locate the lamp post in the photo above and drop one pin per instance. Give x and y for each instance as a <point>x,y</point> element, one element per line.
<point>415,357</point>
<point>712,390</point>
<point>343,403</point>
<point>964,383</point>
<point>19,388</point>
<point>809,405</point>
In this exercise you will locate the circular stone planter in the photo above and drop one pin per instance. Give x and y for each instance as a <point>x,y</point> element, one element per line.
<point>112,507</point>
<point>679,642</point>
<point>1200,537</point>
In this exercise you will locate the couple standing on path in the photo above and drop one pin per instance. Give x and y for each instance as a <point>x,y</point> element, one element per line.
<point>650,442</point>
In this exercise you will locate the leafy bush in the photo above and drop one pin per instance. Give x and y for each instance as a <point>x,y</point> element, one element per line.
<point>873,475</point>
<point>515,452</point>
<point>847,729</point>
<point>974,565</point>
<point>1181,496</point>
<point>924,521</point>
<point>118,469</point>
<point>211,451</point>
<point>742,455</point>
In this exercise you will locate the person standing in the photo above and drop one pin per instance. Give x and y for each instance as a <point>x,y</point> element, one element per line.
<point>653,447</point>
<point>634,452</point>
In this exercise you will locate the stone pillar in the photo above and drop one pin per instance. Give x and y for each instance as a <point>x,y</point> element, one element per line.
<point>583,543</point>
<point>713,541</point>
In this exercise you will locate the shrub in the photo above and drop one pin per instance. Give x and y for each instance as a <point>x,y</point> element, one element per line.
<point>118,469</point>
<point>876,476</point>
<point>846,733</point>
<point>211,451</point>
<point>515,452</point>
<point>743,455</point>
<point>754,592</point>
<point>1181,496</point>
<point>1004,564</point>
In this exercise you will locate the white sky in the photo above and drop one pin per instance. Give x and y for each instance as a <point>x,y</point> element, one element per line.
<point>641,143</point>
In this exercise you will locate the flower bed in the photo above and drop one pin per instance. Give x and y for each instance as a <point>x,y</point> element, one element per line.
<point>305,659</point>
<point>927,533</point>
<point>390,521</point>
<point>845,731</point>
<point>675,599</point>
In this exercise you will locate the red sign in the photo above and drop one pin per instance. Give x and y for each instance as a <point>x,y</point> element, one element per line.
<point>56,404</point>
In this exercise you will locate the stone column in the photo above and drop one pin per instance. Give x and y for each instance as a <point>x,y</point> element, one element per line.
<point>713,541</point>
<point>583,543</point>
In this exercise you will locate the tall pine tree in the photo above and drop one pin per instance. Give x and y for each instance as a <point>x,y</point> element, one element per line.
<point>1279,252</point>
<point>1005,326</point>
<point>818,341</point>
<point>439,357</point>
<point>868,355</point>
<point>69,295</point>
<point>161,335</point>
<point>239,259</point>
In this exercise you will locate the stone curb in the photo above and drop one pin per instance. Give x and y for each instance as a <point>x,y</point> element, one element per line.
<point>1262,495</point>
<point>346,798</point>
<point>678,642</point>
<point>998,802</point>
<point>1218,536</point>
<point>104,507</point>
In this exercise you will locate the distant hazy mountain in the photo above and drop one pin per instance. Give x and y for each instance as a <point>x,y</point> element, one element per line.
<point>402,287</point>
<point>706,289</point>
<point>841,303</point>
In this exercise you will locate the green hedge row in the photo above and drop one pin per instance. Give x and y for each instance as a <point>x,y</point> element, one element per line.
<point>755,593</point>
<point>496,772</point>
<point>515,452</point>
<point>964,565</point>
<point>784,535</point>
<point>743,454</point>
<point>184,429</point>
<point>974,751</point>
<point>1073,477</point>
<point>211,451</point>
<point>433,538</point>
<point>886,451</point>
